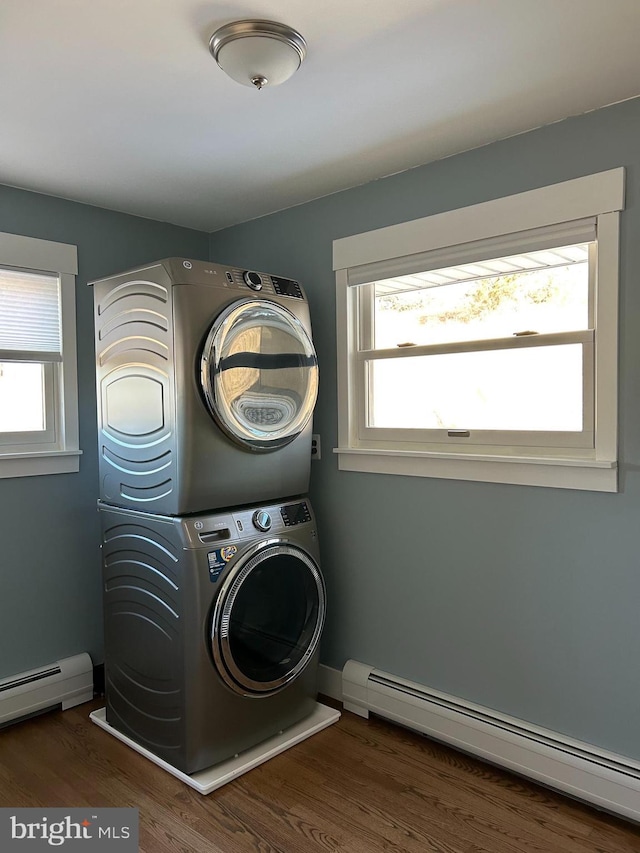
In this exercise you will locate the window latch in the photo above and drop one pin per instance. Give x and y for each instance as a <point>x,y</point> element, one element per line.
<point>523,334</point>
<point>458,433</point>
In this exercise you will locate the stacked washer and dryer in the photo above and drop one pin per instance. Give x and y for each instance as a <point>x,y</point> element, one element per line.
<point>214,601</point>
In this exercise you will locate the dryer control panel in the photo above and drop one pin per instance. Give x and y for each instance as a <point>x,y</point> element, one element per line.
<point>263,283</point>
<point>185,271</point>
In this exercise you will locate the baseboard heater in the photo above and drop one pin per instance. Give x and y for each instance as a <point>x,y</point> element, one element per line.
<point>64,683</point>
<point>603,779</point>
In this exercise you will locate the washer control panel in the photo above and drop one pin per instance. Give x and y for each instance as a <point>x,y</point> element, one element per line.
<point>225,528</point>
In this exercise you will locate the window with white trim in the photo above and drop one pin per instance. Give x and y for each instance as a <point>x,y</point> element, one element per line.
<point>38,372</point>
<point>481,344</point>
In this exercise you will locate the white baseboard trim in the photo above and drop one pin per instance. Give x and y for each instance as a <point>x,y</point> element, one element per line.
<point>63,683</point>
<point>602,778</point>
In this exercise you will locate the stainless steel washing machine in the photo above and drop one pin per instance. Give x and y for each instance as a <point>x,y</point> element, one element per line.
<point>206,382</point>
<point>212,627</point>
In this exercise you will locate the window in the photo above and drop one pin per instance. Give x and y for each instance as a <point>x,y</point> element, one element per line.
<point>38,386</point>
<point>481,344</point>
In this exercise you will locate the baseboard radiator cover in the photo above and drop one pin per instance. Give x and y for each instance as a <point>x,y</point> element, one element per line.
<point>64,683</point>
<point>601,778</point>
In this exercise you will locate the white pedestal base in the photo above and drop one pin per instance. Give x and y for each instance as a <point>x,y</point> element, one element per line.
<point>206,781</point>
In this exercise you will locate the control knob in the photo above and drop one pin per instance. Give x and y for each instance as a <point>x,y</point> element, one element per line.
<point>262,520</point>
<point>253,279</point>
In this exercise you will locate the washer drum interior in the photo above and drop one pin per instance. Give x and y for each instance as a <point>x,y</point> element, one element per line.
<point>268,618</point>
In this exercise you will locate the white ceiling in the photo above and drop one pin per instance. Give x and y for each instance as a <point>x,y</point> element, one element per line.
<point>119,103</point>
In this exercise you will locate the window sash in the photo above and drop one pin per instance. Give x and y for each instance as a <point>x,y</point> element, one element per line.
<point>523,342</point>
<point>439,439</point>
<point>30,356</point>
<point>31,332</point>
<point>364,294</point>
<point>35,440</point>
<point>362,300</point>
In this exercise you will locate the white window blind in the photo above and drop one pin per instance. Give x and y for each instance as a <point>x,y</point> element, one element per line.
<point>30,317</point>
<point>563,234</point>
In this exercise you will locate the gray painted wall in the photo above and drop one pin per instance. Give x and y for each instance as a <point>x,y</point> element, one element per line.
<point>50,590</point>
<point>522,599</point>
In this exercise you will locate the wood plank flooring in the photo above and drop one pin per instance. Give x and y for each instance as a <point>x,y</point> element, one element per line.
<point>359,786</point>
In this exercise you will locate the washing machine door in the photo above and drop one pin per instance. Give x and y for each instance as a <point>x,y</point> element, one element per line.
<point>259,374</point>
<point>268,619</point>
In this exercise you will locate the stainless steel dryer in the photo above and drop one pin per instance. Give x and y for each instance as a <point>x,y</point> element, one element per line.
<point>212,626</point>
<point>206,382</point>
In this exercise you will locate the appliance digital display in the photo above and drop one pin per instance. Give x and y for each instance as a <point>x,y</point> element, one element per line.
<point>286,287</point>
<point>295,514</point>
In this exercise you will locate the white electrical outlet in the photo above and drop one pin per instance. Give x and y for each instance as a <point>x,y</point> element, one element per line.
<point>316,452</point>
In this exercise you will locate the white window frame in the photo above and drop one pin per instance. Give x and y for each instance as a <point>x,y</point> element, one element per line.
<point>398,249</point>
<point>59,452</point>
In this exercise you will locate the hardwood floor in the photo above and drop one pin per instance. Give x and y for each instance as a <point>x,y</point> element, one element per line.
<point>358,786</point>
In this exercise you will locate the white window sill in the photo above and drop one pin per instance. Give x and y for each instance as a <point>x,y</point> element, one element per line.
<point>33,464</point>
<point>558,473</point>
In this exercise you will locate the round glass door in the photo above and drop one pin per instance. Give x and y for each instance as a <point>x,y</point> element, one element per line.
<point>259,374</point>
<point>268,619</point>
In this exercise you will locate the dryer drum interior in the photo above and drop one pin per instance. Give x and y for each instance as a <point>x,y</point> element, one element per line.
<point>268,619</point>
<point>259,374</point>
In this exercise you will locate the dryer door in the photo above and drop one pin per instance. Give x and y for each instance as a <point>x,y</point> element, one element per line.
<point>259,374</point>
<point>268,619</point>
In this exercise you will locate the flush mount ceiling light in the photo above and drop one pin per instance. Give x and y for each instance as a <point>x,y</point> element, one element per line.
<point>258,53</point>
